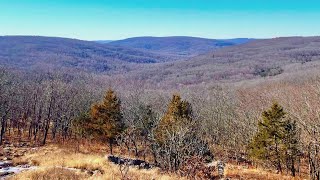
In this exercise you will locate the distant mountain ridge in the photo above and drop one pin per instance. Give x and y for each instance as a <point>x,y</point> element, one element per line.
<point>37,52</point>
<point>256,59</point>
<point>32,52</point>
<point>104,41</point>
<point>183,46</point>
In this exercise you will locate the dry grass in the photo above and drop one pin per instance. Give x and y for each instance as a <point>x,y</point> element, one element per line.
<point>63,163</point>
<point>237,172</point>
<point>50,173</point>
<point>52,157</point>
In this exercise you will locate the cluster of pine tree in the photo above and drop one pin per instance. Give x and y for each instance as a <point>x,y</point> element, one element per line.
<point>175,137</point>
<point>172,139</point>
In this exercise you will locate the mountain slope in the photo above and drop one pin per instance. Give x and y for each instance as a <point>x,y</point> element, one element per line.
<point>178,45</point>
<point>54,53</point>
<point>256,59</point>
<point>260,58</point>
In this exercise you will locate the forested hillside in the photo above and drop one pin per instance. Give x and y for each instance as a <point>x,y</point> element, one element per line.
<point>178,45</point>
<point>51,53</point>
<point>256,59</point>
<point>252,60</point>
<point>41,53</point>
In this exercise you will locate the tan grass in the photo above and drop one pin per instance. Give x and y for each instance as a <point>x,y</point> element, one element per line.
<point>53,161</point>
<point>237,172</point>
<point>53,173</point>
<point>51,157</point>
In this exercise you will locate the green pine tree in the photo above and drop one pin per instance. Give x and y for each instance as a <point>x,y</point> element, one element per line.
<point>291,142</point>
<point>179,113</point>
<point>267,144</point>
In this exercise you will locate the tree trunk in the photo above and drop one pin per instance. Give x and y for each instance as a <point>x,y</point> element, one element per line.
<point>279,167</point>
<point>2,130</point>
<point>47,122</point>
<point>293,170</point>
<point>46,132</point>
<point>110,145</point>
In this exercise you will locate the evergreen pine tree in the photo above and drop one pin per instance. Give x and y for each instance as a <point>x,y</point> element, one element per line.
<point>179,112</point>
<point>107,119</point>
<point>277,140</point>
<point>267,144</point>
<point>178,137</point>
<point>291,142</point>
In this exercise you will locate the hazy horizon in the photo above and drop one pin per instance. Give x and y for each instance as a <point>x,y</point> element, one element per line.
<point>114,20</point>
<point>142,36</point>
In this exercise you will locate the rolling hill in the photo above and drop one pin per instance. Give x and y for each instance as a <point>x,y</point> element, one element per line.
<point>178,45</point>
<point>33,52</point>
<point>256,59</point>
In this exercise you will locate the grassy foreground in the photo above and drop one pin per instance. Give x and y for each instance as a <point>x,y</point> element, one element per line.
<point>64,163</point>
<point>55,162</point>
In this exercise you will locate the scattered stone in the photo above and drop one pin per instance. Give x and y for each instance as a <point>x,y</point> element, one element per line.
<point>7,168</point>
<point>34,149</point>
<point>5,164</point>
<point>6,149</point>
<point>97,173</point>
<point>7,153</point>
<point>90,173</point>
<point>6,173</point>
<point>23,151</point>
<point>130,162</point>
<point>17,155</point>
<point>212,164</point>
<point>6,142</point>
<point>7,159</point>
<point>221,166</point>
<point>25,166</point>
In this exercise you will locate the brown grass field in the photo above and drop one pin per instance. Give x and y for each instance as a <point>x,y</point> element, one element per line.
<point>60,162</point>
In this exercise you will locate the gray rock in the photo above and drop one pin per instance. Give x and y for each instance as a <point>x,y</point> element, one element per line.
<point>220,167</point>
<point>25,166</point>
<point>6,142</point>
<point>6,149</point>
<point>130,162</point>
<point>17,155</point>
<point>7,158</point>
<point>5,164</point>
<point>2,174</point>
<point>97,173</point>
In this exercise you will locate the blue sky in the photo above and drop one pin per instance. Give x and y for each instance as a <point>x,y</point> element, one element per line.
<point>118,19</point>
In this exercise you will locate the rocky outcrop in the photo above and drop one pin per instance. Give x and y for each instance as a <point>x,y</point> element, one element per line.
<point>130,162</point>
<point>7,168</point>
<point>4,174</point>
<point>7,154</point>
<point>5,164</point>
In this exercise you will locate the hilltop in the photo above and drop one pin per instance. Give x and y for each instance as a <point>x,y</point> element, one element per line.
<point>178,45</point>
<point>256,59</point>
<point>34,52</point>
